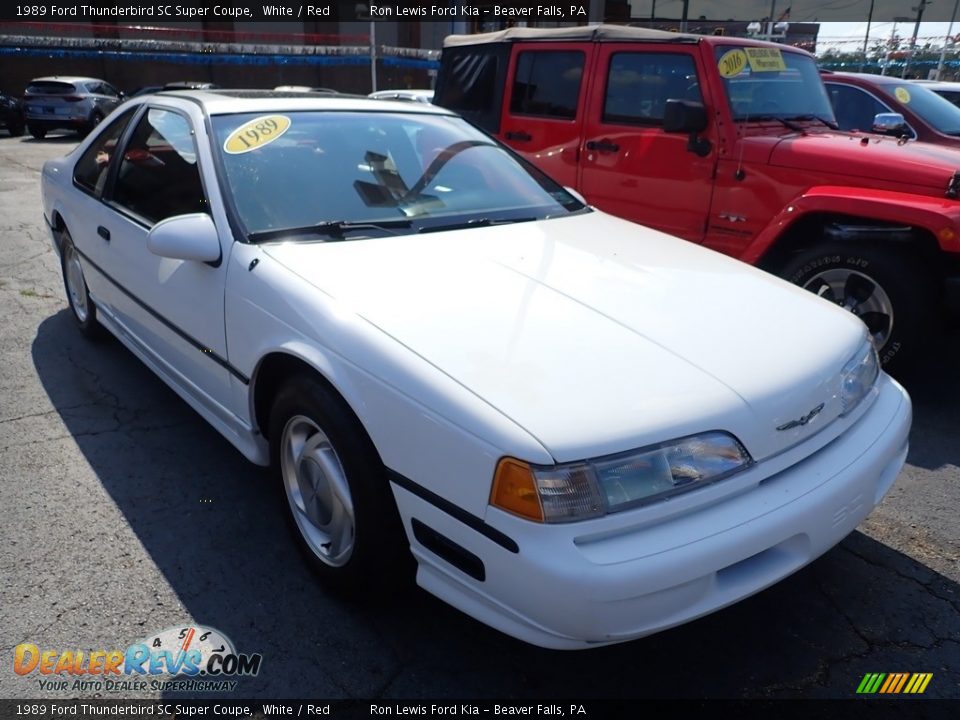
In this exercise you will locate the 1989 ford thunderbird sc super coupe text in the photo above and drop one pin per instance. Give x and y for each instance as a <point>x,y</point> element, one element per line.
<point>584,431</point>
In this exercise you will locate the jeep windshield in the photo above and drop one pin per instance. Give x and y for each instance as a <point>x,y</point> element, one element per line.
<point>341,175</point>
<point>764,83</point>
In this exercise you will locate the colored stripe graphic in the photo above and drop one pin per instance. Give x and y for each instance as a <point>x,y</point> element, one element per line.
<point>894,683</point>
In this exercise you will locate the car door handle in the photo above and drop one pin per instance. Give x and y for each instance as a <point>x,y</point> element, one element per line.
<point>103,232</point>
<point>602,145</point>
<point>519,135</point>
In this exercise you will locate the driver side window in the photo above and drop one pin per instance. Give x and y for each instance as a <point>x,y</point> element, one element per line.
<point>158,176</point>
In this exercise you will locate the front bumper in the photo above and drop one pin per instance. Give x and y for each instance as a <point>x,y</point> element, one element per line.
<point>604,581</point>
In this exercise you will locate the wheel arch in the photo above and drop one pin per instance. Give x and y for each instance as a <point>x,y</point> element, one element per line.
<point>814,227</point>
<point>273,369</point>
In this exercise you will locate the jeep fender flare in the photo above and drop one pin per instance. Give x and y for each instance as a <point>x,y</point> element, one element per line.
<point>939,216</point>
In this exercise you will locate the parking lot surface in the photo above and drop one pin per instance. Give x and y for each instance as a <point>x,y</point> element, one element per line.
<point>124,513</point>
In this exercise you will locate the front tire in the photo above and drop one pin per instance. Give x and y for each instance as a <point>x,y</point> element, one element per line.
<point>78,296</point>
<point>886,287</point>
<point>95,120</point>
<point>336,494</point>
<point>38,132</point>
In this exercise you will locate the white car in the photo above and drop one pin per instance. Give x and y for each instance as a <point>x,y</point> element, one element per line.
<point>583,430</point>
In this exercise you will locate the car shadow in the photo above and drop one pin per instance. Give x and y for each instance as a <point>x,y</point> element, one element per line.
<point>212,525</point>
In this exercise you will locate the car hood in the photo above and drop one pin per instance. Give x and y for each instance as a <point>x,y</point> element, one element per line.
<point>870,156</point>
<point>596,335</point>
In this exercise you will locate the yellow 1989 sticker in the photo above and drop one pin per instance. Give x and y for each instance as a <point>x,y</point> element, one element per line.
<point>903,95</point>
<point>732,63</point>
<point>256,133</point>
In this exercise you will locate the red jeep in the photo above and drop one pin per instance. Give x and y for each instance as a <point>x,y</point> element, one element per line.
<point>730,143</point>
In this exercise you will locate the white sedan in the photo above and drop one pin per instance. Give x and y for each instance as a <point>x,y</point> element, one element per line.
<point>582,430</point>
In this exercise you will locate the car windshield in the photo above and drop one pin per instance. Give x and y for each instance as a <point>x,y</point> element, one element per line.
<point>770,83</point>
<point>375,173</point>
<point>938,112</point>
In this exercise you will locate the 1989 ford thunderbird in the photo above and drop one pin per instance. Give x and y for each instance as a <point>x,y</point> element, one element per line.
<point>583,430</point>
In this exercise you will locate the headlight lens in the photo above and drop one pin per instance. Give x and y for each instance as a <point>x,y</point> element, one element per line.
<point>593,488</point>
<point>858,377</point>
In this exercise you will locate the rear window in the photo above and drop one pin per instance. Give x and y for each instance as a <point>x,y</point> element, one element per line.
<point>50,88</point>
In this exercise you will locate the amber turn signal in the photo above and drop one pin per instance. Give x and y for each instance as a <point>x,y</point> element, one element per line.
<point>515,490</point>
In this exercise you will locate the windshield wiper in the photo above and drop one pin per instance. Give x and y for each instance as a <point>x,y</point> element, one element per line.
<point>831,125</point>
<point>478,222</point>
<point>764,118</point>
<point>332,228</point>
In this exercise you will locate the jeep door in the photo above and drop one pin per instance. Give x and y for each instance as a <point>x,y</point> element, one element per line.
<point>629,166</point>
<point>543,106</point>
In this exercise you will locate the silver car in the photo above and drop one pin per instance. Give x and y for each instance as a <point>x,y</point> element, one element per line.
<point>67,102</point>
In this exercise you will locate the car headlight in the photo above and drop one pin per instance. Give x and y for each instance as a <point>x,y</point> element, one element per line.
<point>858,377</point>
<point>596,487</point>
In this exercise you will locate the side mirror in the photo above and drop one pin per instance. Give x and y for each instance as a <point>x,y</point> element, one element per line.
<point>684,116</point>
<point>186,237</point>
<point>689,117</point>
<point>889,124</point>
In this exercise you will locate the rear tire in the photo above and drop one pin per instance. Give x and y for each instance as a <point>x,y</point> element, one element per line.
<point>38,132</point>
<point>335,489</point>
<point>16,130</point>
<point>78,296</point>
<point>886,287</point>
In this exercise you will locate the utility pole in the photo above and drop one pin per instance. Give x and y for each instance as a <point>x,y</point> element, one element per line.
<point>773,10</point>
<point>943,50</point>
<point>913,40</point>
<point>866,38</point>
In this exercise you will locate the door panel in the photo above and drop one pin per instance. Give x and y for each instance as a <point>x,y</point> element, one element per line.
<point>543,106</point>
<point>629,166</point>
<point>172,307</point>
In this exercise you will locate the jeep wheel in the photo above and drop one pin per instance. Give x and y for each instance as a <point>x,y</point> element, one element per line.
<point>886,288</point>
<point>16,129</point>
<point>38,132</point>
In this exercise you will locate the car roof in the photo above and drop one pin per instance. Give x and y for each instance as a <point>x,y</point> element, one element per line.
<point>228,102</point>
<point>598,33</point>
<point>66,78</point>
<point>939,84</point>
<point>864,77</point>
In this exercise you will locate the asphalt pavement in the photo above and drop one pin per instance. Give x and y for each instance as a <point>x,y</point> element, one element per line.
<point>123,513</point>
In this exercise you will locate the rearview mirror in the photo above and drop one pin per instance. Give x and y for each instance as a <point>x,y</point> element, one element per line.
<point>186,237</point>
<point>684,116</point>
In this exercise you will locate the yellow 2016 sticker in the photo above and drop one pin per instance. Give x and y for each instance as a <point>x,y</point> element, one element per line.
<point>765,59</point>
<point>732,63</point>
<point>902,94</point>
<point>256,133</point>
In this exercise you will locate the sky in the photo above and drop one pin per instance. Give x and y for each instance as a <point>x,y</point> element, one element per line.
<point>848,36</point>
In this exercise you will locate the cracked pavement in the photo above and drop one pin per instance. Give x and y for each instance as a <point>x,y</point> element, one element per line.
<point>124,513</point>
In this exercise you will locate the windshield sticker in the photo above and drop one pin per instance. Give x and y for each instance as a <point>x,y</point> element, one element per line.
<point>765,59</point>
<point>903,95</point>
<point>732,63</point>
<point>256,133</point>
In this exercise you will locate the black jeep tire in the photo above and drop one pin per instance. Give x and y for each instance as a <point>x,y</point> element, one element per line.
<point>38,132</point>
<point>887,287</point>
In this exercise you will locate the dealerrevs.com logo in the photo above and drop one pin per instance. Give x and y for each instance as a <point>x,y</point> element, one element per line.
<point>186,658</point>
